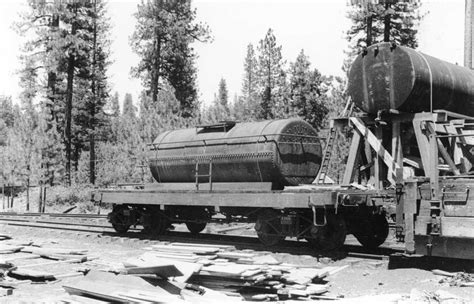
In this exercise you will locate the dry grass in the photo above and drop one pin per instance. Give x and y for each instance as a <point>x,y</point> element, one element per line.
<point>58,199</point>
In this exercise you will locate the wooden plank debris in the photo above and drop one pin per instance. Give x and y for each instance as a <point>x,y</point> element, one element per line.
<point>443,273</point>
<point>9,283</point>
<point>186,269</point>
<point>76,260</point>
<point>41,276</point>
<point>53,251</point>
<point>109,287</point>
<point>75,299</point>
<point>163,271</point>
<point>147,297</point>
<point>235,255</point>
<point>184,249</point>
<point>224,247</point>
<point>9,248</point>
<point>10,260</point>
<point>305,276</point>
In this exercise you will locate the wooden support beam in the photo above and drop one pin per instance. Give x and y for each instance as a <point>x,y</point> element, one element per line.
<point>378,170</point>
<point>442,149</point>
<point>398,156</point>
<point>377,146</point>
<point>397,152</point>
<point>447,158</point>
<point>352,159</point>
<point>433,152</point>
<point>409,199</point>
<point>468,34</point>
<point>423,145</point>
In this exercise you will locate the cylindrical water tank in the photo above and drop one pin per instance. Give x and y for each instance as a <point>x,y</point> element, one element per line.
<point>283,152</point>
<point>390,77</point>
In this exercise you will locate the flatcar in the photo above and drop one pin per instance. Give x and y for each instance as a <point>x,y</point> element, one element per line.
<point>246,172</point>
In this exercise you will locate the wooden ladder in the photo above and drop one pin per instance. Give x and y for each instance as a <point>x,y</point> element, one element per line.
<point>209,175</point>
<point>331,140</point>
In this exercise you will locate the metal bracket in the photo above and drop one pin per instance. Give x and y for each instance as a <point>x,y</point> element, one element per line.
<point>315,221</point>
<point>435,225</point>
<point>429,246</point>
<point>464,201</point>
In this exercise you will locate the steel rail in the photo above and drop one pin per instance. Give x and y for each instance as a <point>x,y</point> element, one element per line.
<point>240,242</point>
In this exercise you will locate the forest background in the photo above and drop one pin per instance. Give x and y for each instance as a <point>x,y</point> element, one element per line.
<point>70,132</point>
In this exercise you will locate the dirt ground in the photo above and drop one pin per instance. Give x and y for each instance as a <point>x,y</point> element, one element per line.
<point>362,278</point>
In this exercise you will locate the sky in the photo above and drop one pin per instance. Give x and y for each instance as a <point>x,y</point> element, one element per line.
<point>316,26</point>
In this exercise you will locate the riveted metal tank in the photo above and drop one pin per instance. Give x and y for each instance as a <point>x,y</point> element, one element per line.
<point>284,152</point>
<point>387,77</point>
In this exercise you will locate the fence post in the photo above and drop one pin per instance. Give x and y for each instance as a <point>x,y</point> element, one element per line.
<point>44,199</point>
<point>40,198</point>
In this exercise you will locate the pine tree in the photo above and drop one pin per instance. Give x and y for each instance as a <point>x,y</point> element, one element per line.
<point>307,92</point>
<point>50,150</point>
<point>7,114</point>
<point>69,44</point>
<point>245,107</point>
<point>223,94</point>
<point>92,82</point>
<point>162,38</point>
<point>27,124</point>
<point>129,109</point>
<point>249,80</point>
<point>382,20</point>
<point>113,106</point>
<point>270,72</point>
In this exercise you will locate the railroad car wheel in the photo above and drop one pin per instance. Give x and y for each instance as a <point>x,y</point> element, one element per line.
<point>118,219</point>
<point>157,223</point>
<point>268,227</point>
<point>197,219</point>
<point>373,232</point>
<point>195,227</point>
<point>329,237</point>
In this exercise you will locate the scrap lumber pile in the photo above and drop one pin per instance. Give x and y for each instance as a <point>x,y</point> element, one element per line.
<point>460,279</point>
<point>25,262</point>
<point>195,273</point>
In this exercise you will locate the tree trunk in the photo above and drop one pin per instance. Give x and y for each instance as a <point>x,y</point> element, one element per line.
<point>386,23</point>
<point>69,94</point>
<point>92,159</point>
<point>8,196</point>
<point>94,99</point>
<point>40,199</point>
<point>44,200</point>
<point>51,81</point>
<point>28,194</point>
<point>368,40</point>
<point>156,70</point>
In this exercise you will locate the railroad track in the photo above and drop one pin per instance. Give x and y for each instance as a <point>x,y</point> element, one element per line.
<point>81,223</point>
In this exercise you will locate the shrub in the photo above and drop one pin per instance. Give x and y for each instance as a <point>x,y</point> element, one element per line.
<point>58,198</point>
